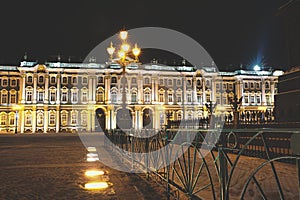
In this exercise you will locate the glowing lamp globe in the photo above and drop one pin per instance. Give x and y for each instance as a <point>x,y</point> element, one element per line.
<point>256,68</point>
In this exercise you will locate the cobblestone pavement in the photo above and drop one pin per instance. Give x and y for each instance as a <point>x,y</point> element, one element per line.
<point>52,166</point>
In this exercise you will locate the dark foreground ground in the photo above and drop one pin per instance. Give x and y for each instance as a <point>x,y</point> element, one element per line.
<point>53,166</point>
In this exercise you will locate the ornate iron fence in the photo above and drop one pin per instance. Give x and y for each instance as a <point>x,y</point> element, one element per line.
<point>239,165</point>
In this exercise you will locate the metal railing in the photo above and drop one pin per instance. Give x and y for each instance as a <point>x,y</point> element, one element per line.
<point>208,166</point>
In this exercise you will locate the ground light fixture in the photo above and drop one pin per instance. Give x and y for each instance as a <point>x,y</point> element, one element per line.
<point>96,185</point>
<point>93,173</point>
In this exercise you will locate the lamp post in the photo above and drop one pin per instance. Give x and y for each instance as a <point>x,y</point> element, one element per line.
<point>16,108</point>
<point>235,103</point>
<point>123,59</point>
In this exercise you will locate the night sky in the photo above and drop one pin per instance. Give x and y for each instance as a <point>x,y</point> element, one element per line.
<point>234,32</point>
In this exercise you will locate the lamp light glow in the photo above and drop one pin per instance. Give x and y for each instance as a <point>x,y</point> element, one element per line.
<point>121,54</point>
<point>256,68</point>
<point>96,185</point>
<point>125,47</point>
<point>123,35</point>
<point>136,51</point>
<point>111,49</point>
<point>92,173</point>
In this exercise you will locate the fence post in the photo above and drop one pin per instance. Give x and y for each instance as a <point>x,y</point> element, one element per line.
<point>223,176</point>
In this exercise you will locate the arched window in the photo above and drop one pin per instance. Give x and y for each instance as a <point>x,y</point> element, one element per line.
<point>84,94</point>
<point>64,95</point>
<point>64,117</point>
<point>84,80</point>
<point>52,94</point>
<point>74,95</point>
<point>134,95</point>
<point>74,80</point>
<point>4,97</point>
<point>40,118</point>
<point>147,95</point>
<point>52,80</point>
<point>74,116</point>
<point>52,117</point>
<point>170,96</point>
<point>3,119</point>
<point>84,118</point>
<point>113,95</point>
<point>64,80</point>
<point>13,97</point>
<point>40,95</point>
<point>28,118</point>
<point>100,95</point>
<point>11,118</point>
<point>161,95</point>
<point>179,96</point>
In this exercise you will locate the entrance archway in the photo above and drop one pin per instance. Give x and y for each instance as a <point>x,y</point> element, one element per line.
<point>124,119</point>
<point>100,120</point>
<point>147,119</point>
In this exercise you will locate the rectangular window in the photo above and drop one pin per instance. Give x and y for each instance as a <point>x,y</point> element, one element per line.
<point>13,98</point>
<point>84,80</point>
<point>28,119</point>
<point>74,118</point>
<point>3,120</point>
<point>258,99</point>
<point>133,97</point>
<point>84,96</point>
<point>52,80</point>
<point>74,97</point>
<point>161,97</point>
<point>252,99</point>
<point>4,98</point>
<point>179,98</point>
<point>40,96</point>
<point>13,82</point>
<point>64,97</point>
<point>4,82</point>
<point>74,80</point>
<point>217,86</point>
<point>147,97</point>
<point>52,119</point>
<point>199,98</point>
<point>84,119</point>
<point>100,79</point>
<point>29,96</point>
<point>65,80</point>
<point>189,97</point>
<point>11,120</point>
<point>170,98</point>
<point>218,99</point>
<point>64,119</point>
<point>246,99</point>
<point>230,86</point>
<point>52,96</point>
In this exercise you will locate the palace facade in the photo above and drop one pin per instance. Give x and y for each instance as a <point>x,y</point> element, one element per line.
<point>54,97</point>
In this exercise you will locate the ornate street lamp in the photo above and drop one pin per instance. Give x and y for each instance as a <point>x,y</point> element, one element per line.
<point>124,58</point>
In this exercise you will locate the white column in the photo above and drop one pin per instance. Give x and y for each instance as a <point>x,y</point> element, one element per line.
<point>153,98</point>
<point>46,100</point>
<point>203,90</point>
<point>33,119</point>
<point>94,89</point>
<point>194,90</point>
<point>272,91</point>
<point>58,89</point>
<point>107,89</point>
<point>93,120</point>
<point>57,125</point>
<point>263,92</point>
<point>23,87</point>
<point>90,89</point>
<point>46,119</point>
<point>140,89</point>
<point>34,87</point>
<point>22,120</point>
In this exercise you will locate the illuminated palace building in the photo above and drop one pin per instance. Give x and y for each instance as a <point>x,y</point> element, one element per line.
<point>54,97</point>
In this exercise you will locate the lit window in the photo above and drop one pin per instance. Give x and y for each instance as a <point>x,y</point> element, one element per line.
<point>28,119</point>
<point>12,119</point>
<point>52,118</point>
<point>13,98</point>
<point>99,95</point>
<point>64,118</point>
<point>29,95</point>
<point>4,97</point>
<point>3,119</point>
<point>161,97</point>
<point>40,119</point>
<point>73,117</point>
